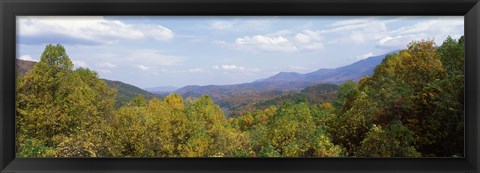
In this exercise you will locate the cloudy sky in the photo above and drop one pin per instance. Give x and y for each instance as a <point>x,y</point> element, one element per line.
<point>178,51</point>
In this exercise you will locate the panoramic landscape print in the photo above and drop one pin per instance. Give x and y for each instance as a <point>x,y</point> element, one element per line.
<point>240,86</point>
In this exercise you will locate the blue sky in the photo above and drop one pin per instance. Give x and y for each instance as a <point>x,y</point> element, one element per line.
<point>200,50</point>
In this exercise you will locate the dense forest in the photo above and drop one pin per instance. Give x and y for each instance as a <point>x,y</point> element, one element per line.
<point>411,106</point>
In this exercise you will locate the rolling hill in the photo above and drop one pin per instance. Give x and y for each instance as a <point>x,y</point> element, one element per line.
<point>22,67</point>
<point>126,92</point>
<point>315,94</point>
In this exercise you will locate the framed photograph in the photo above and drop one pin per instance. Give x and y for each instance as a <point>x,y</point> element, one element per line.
<point>239,86</point>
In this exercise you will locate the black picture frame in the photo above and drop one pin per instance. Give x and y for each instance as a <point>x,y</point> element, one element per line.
<point>470,9</point>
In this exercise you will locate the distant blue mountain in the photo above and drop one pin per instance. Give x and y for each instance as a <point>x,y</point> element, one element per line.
<point>285,81</point>
<point>354,71</point>
<point>284,77</point>
<point>339,75</point>
<point>161,89</point>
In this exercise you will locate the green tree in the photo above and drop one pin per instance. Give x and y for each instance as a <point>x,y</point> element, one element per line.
<point>396,141</point>
<point>207,116</point>
<point>446,96</point>
<point>56,103</point>
<point>138,100</point>
<point>37,95</point>
<point>421,86</point>
<point>130,131</point>
<point>169,127</point>
<point>396,90</point>
<point>353,117</point>
<point>291,131</point>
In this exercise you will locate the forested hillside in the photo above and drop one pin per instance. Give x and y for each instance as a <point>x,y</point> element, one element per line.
<point>411,106</point>
<point>22,67</point>
<point>315,94</point>
<point>125,92</point>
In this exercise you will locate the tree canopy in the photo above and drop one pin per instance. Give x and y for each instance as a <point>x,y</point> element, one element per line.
<point>411,106</point>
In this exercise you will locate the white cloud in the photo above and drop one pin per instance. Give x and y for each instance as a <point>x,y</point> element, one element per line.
<point>440,25</point>
<point>158,32</point>
<point>107,65</point>
<point>261,39</point>
<point>84,30</point>
<point>26,58</point>
<point>154,57</point>
<point>364,56</point>
<point>358,31</point>
<point>282,41</point>
<point>119,59</point>
<point>232,67</point>
<point>106,71</point>
<point>242,24</point>
<point>282,32</point>
<point>437,29</point>
<point>391,42</point>
<point>401,41</point>
<point>350,22</point>
<point>265,44</point>
<point>302,38</point>
<point>222,24</point>
<point>79,64</point>
<point>313,46</point>
<point>313,34</point>
<point>372,29</point>
<point>365,24</point>
<point>142,67</point>
<point>195,70</point>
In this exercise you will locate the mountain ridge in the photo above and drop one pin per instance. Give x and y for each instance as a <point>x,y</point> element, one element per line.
<point>285,81</point>
<point>280,84</point>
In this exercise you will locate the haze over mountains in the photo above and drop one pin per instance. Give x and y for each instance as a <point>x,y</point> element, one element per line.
<point>162,89</point>
<point>231,97</point>
<point>285,81</point>
<point>339,75</point>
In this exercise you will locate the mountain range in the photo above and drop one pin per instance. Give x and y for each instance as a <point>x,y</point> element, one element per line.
<point>285,81</point>
<point>233,97</point>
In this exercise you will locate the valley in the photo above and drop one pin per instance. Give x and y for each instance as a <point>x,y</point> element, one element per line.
<point>315,87</point>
